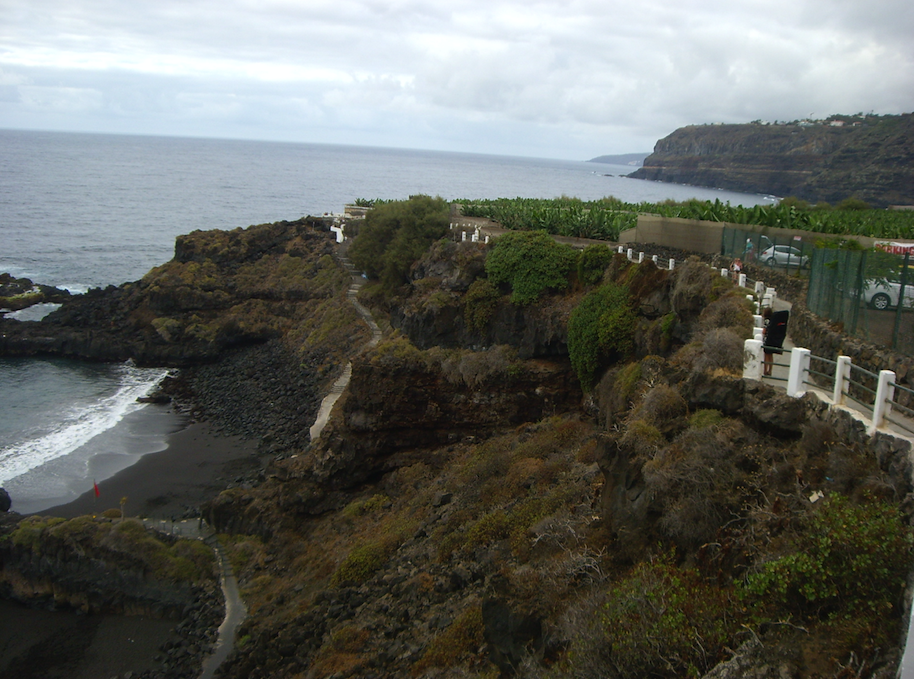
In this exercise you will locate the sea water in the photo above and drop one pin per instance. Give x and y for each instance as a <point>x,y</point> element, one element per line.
<point>86,210</point>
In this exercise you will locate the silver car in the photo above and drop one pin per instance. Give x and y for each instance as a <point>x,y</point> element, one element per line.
<point>784,255</point>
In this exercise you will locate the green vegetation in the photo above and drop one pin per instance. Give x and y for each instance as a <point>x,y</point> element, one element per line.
<point>531,262</point>
<point>395,235</point>
<point>480,303</point>
<point>592,263</point>
<point>851,559</point>
<point>599,328</point>
<point>361,563</point>
<point>463,637</point>
<point>605,219</point>
<point>123,542</point>
<point>665,620</point>
<point>602,219</point>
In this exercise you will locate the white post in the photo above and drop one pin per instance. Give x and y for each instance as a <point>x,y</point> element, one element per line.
<point>724,273</point>
<point>654,259</point>
<point>463,235</point>
<point>672,263</point>
<point>752,359</point>
<point>799,372</point>
<point>487,239</point>
<point>629,253</point>
<point>640,257</point>
<point>772,293</point>
<point>885,392</point>
<point>842,377</point>
<point>621,249</point>
<point>757,321</point>
<point>759,287</point>
<point>741,280</point>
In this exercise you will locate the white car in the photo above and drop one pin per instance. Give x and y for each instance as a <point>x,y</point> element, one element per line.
<point>882,294</point>
<point>784,255</point>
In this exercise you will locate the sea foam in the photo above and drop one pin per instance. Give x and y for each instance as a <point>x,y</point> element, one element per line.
<point>76,427</point>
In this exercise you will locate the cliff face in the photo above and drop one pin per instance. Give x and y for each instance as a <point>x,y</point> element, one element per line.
<point>872,160</point>
<point>222,290</point>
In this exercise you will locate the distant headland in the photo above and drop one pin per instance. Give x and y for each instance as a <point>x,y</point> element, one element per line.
<point>865,156</point>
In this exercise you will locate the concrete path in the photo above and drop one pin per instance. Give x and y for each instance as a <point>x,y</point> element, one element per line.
<point>235,610</point>
<point>323,413</point>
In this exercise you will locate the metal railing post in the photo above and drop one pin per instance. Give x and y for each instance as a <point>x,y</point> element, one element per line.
<point>798,373</point>
<point>752,359</point>
<point>842,378</point>
<point>885,392</point>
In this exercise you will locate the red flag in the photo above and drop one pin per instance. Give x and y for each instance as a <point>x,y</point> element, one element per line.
<point>95,485</point>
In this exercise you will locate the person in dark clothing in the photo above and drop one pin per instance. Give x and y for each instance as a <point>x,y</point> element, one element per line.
<point>775,334</point>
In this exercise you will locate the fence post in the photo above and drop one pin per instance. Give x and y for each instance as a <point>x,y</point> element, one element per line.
<point>724,273</point>
<point>799,372</point>
<point>629,253</point>
<point>752,359</point>
<point>842,377</point>
<point>640,257</point>
<point>654,259</point>
<point>741,280</point>
<point>885,392</point>
<point>672,263</point>
<point>621,249</point>
<point>759,287</point>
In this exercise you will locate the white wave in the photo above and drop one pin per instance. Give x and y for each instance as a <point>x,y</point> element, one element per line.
<point>78,427</point>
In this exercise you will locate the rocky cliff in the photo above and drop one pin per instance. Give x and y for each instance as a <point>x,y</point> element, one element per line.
<point>868,157</point>
<point>470,509</point>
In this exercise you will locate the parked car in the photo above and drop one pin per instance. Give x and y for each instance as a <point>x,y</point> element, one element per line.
<point>882,294</point>
<point>784,255</point>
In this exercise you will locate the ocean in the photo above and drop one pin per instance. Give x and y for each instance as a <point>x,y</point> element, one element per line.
<point>90,210</point>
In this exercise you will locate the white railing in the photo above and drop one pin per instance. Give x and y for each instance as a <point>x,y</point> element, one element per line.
<point>848,382</point>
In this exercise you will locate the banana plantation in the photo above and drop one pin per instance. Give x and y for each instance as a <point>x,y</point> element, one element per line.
<point>606,218</point>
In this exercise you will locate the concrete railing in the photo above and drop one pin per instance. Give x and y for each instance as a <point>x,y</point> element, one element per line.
<point>838,383</point>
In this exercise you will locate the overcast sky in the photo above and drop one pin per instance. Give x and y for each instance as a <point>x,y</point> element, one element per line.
<point>548,79</point>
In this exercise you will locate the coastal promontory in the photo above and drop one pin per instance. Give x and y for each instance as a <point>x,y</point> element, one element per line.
<point>867,157</point>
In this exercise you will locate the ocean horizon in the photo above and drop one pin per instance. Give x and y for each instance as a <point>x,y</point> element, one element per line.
<point>84,210</point>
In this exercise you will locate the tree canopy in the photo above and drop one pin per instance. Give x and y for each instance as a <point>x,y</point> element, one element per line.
<point>395,235</point>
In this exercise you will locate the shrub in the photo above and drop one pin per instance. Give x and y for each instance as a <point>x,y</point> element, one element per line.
<point>531,262</point>
<point>663,621</point>
<point>592,263</point>
<point>395,234</point>
<point>599,328</point>
<point>462,638</point>
<point>850,559</point>
<point>362,561</point>
<point>705,419</point>
<point>722,349</point>
<point>480,302</point>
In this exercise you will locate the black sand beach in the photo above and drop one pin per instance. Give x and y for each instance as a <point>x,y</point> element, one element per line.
<point>195,467</point>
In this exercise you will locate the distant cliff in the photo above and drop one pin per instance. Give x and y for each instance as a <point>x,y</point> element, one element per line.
<point>868,157</point>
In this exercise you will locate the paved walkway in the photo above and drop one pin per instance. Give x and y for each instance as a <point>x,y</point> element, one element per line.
<point>235,610</point>
<point>323,413</point>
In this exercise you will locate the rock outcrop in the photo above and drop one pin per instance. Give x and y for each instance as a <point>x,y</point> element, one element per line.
<point>867,157</point>
<point>221,291</point>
